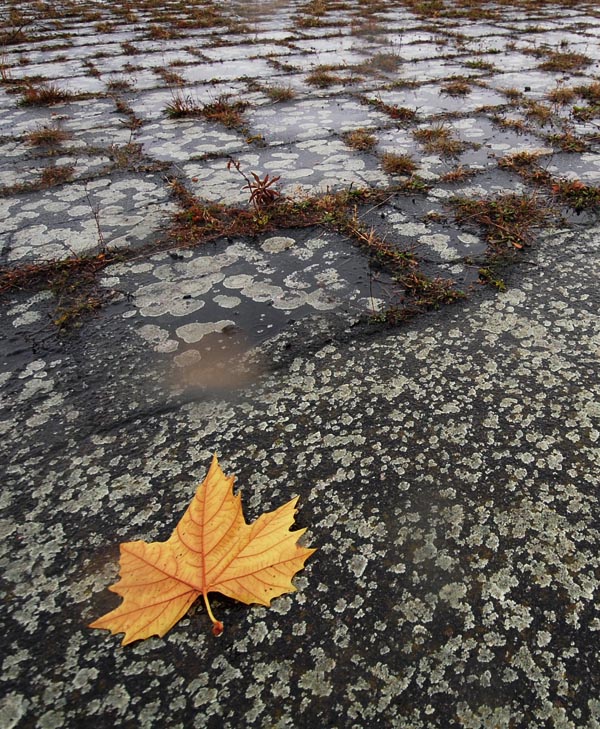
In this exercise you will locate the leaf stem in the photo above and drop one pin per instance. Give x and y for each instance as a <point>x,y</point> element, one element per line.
<point>217,624</point>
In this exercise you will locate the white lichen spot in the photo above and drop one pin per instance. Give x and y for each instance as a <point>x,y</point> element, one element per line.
<point>227,302</point>
<point>454,594</point>
<point>13,708</point>
<point>277,244</point>
<point>195,331</point>
<point>357,565</point>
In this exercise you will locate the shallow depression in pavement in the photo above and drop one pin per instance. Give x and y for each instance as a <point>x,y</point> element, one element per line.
<point>252,290</point>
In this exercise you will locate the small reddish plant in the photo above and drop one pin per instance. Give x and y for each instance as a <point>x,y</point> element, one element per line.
<point>576,194</point>
<point>261,190</point>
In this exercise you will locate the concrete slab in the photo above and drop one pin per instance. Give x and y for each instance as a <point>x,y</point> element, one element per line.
<point>153,314</point>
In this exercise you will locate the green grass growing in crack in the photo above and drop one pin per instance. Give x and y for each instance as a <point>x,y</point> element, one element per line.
<point>414,184</point>
<point>123,107</point>
<point>538,112</point>
<point>162,31</point>
<point>51,176</point>
<point>490,275</point>
<point>169,76</point>
<point>561,95</point>
<point>586,112</point>
<point>16,28</point>
<point>480,65</point>
<point>130,156</point>
<point>278,94</point>
<point>119,84</point>
<point>457,87</point>
<point>458,174</point>
<point>431,293</point>
<point>228,113</point>
<point>589,92</point>
<point>384,62</point>
<point>568,142</point>
<point>519,161</point>
<point>182,105</point>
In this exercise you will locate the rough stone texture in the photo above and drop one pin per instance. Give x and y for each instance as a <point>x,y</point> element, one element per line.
<point>447,470</point>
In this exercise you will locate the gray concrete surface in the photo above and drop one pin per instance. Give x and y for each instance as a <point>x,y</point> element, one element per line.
<point>447,469</point>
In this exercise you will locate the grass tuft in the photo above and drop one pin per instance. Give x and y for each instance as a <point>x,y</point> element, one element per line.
<point>322,78</point>
<point>398,164</point>
<point>361,139</point>
<point>44,94</point>
<point>46,136</point>
<point>508,220</point>
<point>439,140</point>
<point>280,93</point>
<point>565,62</point>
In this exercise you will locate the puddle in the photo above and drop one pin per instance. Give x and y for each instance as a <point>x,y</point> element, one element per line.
<point>486,184</point>
<point>443,249</point>
<point>493,137</point>
<point>179,298</point>
<point>491,142</point>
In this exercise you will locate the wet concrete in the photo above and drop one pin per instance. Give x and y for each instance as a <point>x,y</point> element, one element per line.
<point>447,469</point>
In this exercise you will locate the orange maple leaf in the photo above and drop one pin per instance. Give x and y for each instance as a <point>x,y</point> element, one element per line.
<point>212,549</point>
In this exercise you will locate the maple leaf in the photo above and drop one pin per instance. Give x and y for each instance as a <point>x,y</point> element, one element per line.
<point>212,549</point>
